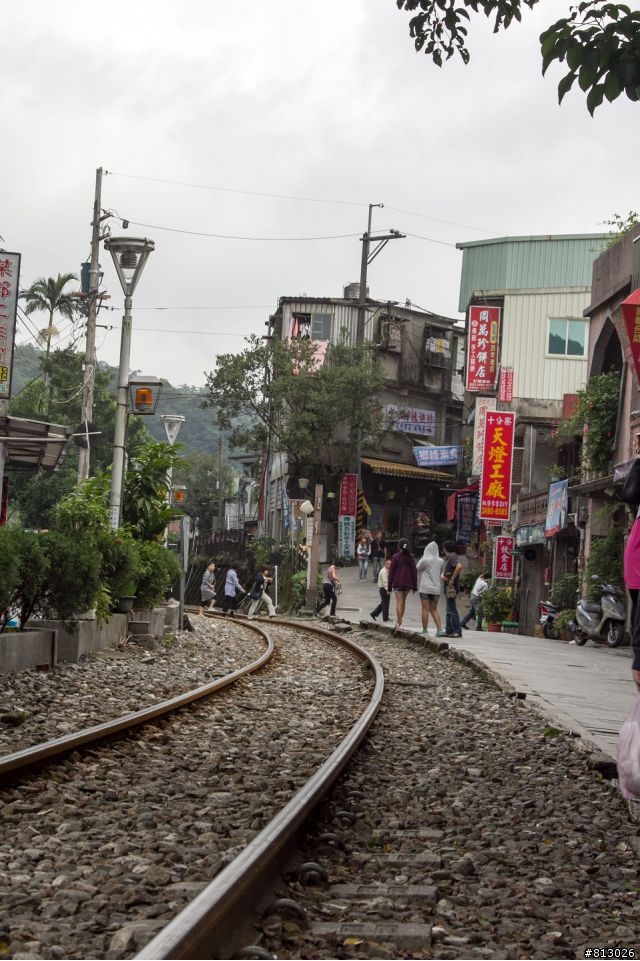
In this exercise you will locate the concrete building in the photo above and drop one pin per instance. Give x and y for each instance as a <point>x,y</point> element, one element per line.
<point>422,356</point>
<point>542,286</point>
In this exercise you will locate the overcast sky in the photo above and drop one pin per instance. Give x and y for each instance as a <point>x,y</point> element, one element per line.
<point>204,111</point>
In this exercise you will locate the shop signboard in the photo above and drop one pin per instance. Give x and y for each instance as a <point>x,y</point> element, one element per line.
<point>483,404</point>
<point>411,420</point>
<point>482,348</point>
<point>436,456</point>
<point>467,514</point>
<point>503,557</point>
<point>557,508</point>
<point>9,289</point>
<point>348,506</point>
<point>497,466</point>
<point>631,313</point>
<point>505,385</point>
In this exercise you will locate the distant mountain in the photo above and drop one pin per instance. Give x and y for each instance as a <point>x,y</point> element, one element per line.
<point>198,433</point>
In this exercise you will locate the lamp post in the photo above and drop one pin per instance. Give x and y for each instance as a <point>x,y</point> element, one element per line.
<point>172,424</point>
<point>130,255</point>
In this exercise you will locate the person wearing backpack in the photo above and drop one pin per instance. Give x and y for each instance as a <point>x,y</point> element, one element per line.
<point>259,595</point>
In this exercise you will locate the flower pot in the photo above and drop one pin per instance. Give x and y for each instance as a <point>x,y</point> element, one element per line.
<point>495,628</point>
<point>123,605</point>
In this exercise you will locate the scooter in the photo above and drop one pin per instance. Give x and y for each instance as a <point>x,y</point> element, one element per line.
<point>548,612</point>
<point>601,620</point>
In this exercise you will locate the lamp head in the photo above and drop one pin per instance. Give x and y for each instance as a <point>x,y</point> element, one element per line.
<point>307,508</point>
<point>130,254</point>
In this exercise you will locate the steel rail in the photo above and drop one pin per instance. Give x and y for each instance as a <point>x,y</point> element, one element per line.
<point>31,757</point>
<point>210,926</point>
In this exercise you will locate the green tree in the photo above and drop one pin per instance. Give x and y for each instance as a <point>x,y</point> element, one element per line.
<point>199,474</point>
<point>47,295</point>
<point>597,411</point>
<point>145,510</point>
<point>277,396</point>
<point>599,41</point>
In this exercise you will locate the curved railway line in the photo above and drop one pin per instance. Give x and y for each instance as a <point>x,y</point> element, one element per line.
<point>87,795</point>
<point>458,826</point>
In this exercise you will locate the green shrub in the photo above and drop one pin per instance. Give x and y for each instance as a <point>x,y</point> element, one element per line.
<point>73,578</point>
<point>561,621</point>
<point>565,591</point>
<point>604,561</point>
<point>468,578</point>
<point>495,604</point>
<point>120,563</point>
<point>158,569</point>
<point>9,566</point>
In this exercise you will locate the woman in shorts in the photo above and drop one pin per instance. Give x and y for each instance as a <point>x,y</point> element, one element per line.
<point>430,586</point>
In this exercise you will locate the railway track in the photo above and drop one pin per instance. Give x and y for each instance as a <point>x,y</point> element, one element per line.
<point>464,827</point>
<point>157,814</point>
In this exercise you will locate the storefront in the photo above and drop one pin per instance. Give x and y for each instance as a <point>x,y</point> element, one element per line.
<point>405,501</point>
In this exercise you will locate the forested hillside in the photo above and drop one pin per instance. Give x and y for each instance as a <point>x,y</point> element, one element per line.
<point>199,432</point>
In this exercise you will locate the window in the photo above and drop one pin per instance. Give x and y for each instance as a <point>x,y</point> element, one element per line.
<point>567,337</point>
<point>321,327</point>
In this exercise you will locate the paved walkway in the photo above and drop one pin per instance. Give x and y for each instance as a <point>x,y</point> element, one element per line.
<point>585,689</point>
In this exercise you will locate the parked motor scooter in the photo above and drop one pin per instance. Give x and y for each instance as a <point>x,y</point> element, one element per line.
<point>548,613</point>
<point>601,620</point>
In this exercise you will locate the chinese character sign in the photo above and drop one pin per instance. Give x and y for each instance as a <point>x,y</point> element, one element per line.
<point>483,404</point>
<point>347,515</point>
<point>482,348</point>
<point>436,456</point>
<point>467,514</point>
<point>411,420</point>
<point>497,465</point>
<point>505,385</point>
<point>9,282</point>
<point>503,558</point>
<point>631,313</point>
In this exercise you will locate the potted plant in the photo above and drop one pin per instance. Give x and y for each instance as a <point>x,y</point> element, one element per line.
<point>495,605</point>
<point>560,626</point>
<point>120,566</point>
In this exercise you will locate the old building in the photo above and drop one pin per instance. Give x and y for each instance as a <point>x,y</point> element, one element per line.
<point>540,287</point>
<point>422,355</point>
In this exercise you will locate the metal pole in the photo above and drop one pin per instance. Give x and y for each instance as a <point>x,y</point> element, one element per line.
<point>312,591</point>
<point>90,347</point>
<point>119,437</point>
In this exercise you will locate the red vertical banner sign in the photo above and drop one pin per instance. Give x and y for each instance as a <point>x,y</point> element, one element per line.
<point>631,313</point>
<point>482,348</point>
<point>503,557</point>
<point>348,506</point>
<point>497,466</point>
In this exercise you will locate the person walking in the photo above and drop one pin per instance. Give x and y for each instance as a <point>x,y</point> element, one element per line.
<point>363,553</point>
<point>259,593</point>
<point>231,587</point>
<point>378,553</point>
<point>385,594</point>
<point>403,577</point>
<point>451,578</point>
<point>330,585</point>
<point>429,569</point>
<point>208,588</point>
<point>477,591</point>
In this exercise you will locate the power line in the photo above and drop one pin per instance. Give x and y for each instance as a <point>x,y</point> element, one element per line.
<point>202,233</point>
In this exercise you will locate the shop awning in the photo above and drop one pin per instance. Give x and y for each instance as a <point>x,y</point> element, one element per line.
<point>33,444</point>
<point>393,469</point>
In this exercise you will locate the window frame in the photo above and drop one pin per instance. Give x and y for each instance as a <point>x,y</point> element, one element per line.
<point>566,321</point>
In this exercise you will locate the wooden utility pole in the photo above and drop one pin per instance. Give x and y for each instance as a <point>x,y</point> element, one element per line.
<point>221,482</point>
<point>90,347</point>
<point>312,591</point>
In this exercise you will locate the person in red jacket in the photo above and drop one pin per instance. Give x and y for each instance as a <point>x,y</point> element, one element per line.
<point>403,577</point>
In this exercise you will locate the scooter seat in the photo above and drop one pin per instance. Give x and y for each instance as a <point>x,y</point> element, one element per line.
<point>591,607</point>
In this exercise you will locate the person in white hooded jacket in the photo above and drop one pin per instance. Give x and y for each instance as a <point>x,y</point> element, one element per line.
<point>430,586</point>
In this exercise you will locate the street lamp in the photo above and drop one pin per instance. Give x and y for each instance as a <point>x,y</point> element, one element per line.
<point>130,255</point>
<point>172,424</point>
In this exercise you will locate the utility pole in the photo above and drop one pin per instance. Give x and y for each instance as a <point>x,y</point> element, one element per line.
<point>90,346</point>
<point>367,257</point>
<point>221,483</point>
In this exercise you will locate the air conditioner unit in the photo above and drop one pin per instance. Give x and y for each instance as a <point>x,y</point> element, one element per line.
<point>390,335</point>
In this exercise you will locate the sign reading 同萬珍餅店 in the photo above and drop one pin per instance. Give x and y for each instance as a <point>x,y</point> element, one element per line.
<point>482,348</point>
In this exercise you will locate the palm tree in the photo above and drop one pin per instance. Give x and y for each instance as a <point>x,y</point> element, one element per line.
<point>48,295</point>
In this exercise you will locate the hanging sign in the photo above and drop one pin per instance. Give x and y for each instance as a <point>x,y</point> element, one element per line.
<point>467,514</point>
<point>503,557</point>
<point>483,404</point>
<point>348,506</point>
<point>497,466</point>
<point>436,456</point>
<point>631,313</point>
<point>482,348</point>
<point>411,420</point>
<point>505,385</point>
<point>557,508</point>
<point>9,283</point>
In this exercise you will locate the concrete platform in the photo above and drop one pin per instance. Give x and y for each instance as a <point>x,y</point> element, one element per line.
<point>585,689</point>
